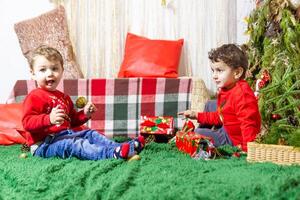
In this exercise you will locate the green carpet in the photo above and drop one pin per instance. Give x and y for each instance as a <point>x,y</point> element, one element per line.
<point>162,173</point>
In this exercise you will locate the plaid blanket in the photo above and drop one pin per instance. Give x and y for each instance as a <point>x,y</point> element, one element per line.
<point>121,102</point>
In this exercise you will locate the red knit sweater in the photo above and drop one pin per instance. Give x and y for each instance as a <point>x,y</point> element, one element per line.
<point>36,114</point>
<point>237,112</point>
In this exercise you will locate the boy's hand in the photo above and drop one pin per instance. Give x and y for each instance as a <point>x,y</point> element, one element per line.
<point>189,114</point>
<point>89,108</point>
<point>57,115</point>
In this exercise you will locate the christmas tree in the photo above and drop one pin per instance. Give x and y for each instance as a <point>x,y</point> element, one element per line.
<point>274,66</point>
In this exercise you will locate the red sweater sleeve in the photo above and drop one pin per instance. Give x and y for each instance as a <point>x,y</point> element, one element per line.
<point>209,118</point>
<point>34,118</point>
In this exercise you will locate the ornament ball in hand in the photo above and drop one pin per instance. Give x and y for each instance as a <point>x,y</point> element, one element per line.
<point>81,102</point>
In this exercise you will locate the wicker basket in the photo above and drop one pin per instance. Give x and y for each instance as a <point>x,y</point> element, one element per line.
<point>279,154</point>
<point>200,95</point>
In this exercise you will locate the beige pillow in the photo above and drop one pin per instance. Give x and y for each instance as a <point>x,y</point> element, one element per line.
<point>50,29</point>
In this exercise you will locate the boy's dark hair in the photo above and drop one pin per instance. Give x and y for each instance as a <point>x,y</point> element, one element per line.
<point>232,55</point>
<point>49,52</point>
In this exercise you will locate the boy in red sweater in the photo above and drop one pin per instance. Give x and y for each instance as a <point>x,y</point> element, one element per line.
<point>52,121</point>
<point>235,115</point>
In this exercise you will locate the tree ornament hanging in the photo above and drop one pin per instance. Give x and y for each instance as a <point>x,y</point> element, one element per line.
<point>261,83</point>
<point>276,117</point>
<point>265,76</point>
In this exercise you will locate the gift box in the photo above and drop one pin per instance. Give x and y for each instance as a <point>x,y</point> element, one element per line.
<point>160,125</point>
<point>190,142</point>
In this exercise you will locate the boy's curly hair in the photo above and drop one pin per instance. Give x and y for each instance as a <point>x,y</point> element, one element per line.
<point>232,55</point>
<point>49,52</point>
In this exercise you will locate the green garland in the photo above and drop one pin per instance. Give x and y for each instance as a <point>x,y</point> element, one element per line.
<point>274,46</point>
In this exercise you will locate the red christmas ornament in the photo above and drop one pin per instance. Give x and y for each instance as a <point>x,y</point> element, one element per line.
<point>261,84</point>
<point>266,76</point>
<point>276,116</point>
<point>236,154</point>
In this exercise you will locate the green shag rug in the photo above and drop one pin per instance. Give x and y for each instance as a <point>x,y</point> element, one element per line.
<point>162,173</point>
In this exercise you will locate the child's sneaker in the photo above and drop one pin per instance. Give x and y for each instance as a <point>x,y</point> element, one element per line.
<point>121,152</point>
<point>139,144</point>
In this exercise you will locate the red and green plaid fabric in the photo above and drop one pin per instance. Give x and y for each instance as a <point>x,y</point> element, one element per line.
<point>121,102</point>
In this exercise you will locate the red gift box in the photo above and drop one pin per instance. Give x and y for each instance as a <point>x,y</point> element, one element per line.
<point>188,141</point>
<point>157,125</point>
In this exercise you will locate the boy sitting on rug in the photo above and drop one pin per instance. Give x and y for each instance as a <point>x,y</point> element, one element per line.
<point>234,115</point>
<point>52,121</point>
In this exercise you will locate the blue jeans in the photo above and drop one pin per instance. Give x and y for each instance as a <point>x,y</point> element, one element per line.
<point>219,134</point>
<point>85,145</point>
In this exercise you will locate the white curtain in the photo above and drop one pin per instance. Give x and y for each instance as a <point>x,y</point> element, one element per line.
<point>98,30</point>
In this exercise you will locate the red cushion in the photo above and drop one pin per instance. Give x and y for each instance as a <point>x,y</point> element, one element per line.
<point>11,128</point>
<point>150,58</point>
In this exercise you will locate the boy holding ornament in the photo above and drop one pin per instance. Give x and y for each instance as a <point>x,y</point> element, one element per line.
<point>53,123</point>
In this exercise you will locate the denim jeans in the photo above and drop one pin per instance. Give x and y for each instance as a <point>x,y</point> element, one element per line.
<point>85,145</point>
<point>218,134</point>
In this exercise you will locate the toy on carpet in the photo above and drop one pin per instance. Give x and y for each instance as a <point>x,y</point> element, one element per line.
<point>202,147</point>
<point>24,149</point>
<point>23,155</point>
<point>135,157</point>
<point>194,144</point>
